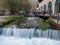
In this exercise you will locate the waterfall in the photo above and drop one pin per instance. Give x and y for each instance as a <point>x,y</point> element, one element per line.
<point>30,33</point>
<point>24,33</point>
<point>7,32</point>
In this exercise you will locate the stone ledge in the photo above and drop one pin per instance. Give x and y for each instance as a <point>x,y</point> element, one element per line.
<point>55,24</point>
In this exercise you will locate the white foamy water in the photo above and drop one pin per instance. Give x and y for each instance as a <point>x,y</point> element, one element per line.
<point>23,41</point>
<point>17,36</point>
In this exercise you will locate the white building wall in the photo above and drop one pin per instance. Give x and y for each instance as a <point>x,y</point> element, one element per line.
<point>45,2</point>
<point>34,3</point>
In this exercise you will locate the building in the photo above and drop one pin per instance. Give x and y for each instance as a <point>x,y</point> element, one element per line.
<point>35,5</point>
<point>49,6</point>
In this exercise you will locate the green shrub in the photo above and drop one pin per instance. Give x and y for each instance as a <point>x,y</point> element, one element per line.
<point>48,20</point>
<point>43,26</point>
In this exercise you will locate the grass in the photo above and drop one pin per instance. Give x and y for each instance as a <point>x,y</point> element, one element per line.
<point>12,20</point>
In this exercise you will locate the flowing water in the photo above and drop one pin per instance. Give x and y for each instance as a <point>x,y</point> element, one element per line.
<point>24,36</point>
<point>17,36</point>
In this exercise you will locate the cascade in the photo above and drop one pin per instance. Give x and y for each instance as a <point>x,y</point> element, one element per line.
<point>30,33</point>
<point>21,36</point>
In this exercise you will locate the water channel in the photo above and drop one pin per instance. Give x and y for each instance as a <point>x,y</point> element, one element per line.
<point>24,36</point>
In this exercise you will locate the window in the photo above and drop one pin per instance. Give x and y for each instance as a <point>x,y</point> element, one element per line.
<point>49,7</point>
<point>59,7</point>
<point>44,7</point>
<point>41,8</point>
<point>57,0</point>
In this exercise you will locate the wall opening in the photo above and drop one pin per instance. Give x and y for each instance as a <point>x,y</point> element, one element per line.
<point>50,7</point>
<point>57,7</point>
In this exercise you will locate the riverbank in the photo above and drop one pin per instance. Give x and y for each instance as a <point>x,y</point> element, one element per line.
<point>55,23</point>
<point>27,22</point>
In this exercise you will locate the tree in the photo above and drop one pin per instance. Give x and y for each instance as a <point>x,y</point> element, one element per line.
<point>15,5</point>
<point>1,4</point>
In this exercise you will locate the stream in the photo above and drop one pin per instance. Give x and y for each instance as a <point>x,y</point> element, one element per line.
<point>24,36</point>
